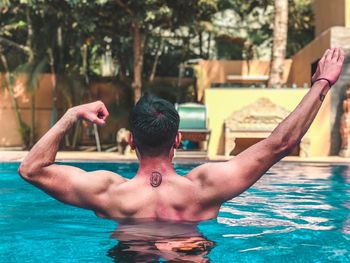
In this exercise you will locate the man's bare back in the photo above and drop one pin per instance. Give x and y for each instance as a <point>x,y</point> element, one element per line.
<point>157,192</point>
<point>176,198</point>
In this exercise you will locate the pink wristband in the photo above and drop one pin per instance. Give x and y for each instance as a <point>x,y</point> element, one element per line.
<point>329,83</point>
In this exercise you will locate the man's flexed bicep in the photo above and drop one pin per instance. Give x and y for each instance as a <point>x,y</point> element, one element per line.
<point>66,183</point>
<point>71,185</point>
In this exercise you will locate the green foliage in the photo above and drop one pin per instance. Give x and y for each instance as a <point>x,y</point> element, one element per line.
<point>83,21</point>
<point>229,47</point>
<point>244,8</point>
<point>251,31</point>
<point>119,109</point>
<point>171,91</point>
<point>255,20</point>
<point>301,27</point>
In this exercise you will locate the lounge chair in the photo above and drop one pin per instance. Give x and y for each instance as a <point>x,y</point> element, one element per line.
<point>194,127</point>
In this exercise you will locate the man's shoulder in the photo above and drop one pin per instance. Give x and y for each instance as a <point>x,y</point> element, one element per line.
<point>207,173</point>
<point>112,177</point>
<point>200,173</point>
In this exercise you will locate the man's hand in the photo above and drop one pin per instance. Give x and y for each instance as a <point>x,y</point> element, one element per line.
<point>330,66</point>
<point>95,112</point>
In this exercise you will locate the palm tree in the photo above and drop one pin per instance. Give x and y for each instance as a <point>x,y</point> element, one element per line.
<point>279,44</point>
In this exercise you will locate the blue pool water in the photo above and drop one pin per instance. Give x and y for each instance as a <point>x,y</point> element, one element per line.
<point>295,213</point>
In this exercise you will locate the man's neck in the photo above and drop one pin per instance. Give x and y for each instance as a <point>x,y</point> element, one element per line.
<point>161,165</point>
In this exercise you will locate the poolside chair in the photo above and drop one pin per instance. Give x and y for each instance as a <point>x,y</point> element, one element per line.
<point>256,122</point>
<point>194,128</point>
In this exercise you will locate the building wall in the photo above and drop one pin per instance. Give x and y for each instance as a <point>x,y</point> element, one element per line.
<point>300,71</point>
<point>216,71</point>
<point>9,135</point>
<point>330,13</point>
<point>222,102</point>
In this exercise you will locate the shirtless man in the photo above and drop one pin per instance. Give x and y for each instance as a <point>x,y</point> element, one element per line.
<point>157,191</point>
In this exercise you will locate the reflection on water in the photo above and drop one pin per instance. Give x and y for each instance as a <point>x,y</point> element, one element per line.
<point>151,241</point>
<point>285,200</point>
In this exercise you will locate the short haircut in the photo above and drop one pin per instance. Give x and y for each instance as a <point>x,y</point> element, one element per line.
<point>154,123</point>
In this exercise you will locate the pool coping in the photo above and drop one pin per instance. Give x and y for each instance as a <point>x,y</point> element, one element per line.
<point>17,156</point>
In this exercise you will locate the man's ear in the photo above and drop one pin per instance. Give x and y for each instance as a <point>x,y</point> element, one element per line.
<point>131,141</point>
<point>178,140</point>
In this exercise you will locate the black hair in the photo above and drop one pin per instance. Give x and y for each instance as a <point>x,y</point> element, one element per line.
<point>154,123</point>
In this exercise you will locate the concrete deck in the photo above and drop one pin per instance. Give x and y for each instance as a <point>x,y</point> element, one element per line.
<point>17,156</point>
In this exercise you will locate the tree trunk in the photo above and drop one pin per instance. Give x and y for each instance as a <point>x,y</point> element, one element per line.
<point>209,45</point>
<point>279,44</point>
<point>138,61</point>
<point>200,44</point>
<point>156,60</point>
<point>60,67</point>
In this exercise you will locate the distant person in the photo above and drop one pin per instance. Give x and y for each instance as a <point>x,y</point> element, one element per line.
<point>157,192</point>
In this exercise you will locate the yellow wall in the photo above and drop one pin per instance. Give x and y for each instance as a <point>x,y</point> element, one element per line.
<point>217,71</point>
<point>347,13</point>
<point>222,102</point>
<point>330,13</point>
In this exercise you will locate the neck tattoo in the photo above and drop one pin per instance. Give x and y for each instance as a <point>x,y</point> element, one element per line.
<point>156,179</point>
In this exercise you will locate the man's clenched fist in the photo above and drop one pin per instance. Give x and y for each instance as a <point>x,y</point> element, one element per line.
<point>330,66</point>
<point>95,112</point>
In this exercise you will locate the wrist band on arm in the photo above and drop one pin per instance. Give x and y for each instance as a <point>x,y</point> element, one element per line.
<point>329,83</point>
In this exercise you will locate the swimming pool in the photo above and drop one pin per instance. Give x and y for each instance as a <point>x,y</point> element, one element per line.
<point>295,213</point>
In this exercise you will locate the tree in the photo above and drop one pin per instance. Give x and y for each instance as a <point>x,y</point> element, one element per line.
<point>252,22</point>
<point>141,15</point>
<point>30,27</point>
<point>279,43</point>
<point>301,25</point>
<point>248,34</point>
<point>146,17</point>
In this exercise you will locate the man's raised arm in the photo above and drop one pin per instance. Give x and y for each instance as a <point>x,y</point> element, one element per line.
<point>223,181</point>
<point>68,184</point>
